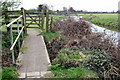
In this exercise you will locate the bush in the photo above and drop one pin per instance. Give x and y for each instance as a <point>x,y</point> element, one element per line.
<point>99,62</point>
<point>6,53</point>
<point>68,58</point>
<point>9,73</point>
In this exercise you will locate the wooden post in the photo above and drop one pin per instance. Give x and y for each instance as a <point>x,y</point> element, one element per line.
<point>47,20</point>
<point>11,39</point>
<point>6,18</point>
<point>51,23</point>
<point>24,12</point>
<point>42,23</point>
<point>24,19</point>
<point>22,22</point>
<point>39,21</point>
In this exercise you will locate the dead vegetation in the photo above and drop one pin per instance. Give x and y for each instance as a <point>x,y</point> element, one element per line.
<point>79,34</point>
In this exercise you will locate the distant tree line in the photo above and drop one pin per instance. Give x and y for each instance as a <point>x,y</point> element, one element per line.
<point>71,10</point>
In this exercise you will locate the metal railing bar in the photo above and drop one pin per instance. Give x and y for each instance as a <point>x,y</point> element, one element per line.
<point>17,38</point>
<point>14,21</point>
<point>11,36</point>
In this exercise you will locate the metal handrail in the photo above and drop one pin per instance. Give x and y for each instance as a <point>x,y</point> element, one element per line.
<point>14,21</point>
<point>13,43</point>
<point>16,38</point>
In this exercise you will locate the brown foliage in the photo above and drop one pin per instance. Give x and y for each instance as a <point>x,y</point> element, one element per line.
<point>78,33</point>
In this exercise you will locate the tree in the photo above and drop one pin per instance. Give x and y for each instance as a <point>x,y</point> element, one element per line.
<point>65,9</point>
<point>6,5</point>
<point>71,9</point>
<point>57,11</point>
<point>9,4</point>
<point>42,6</point>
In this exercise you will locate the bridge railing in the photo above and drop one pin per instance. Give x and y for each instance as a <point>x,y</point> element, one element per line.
<point>20,32</point>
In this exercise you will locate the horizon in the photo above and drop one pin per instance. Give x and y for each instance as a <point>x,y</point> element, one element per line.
<point>92,5</point>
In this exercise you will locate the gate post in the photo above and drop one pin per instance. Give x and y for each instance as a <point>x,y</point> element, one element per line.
<point>42,23</point>
<point>47,20</point>
<point>51,22</point>
<point>24,19</point>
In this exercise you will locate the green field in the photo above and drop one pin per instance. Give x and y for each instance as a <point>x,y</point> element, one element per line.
<point>109,21</point>
<point>56,17</point>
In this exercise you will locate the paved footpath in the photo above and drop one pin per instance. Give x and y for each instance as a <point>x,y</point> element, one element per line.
<point>35,60</point>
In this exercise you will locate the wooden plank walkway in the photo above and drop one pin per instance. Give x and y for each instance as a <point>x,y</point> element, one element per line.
<point>35,60</point>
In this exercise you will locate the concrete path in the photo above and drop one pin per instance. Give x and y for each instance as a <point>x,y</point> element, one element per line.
<point>35,60</point>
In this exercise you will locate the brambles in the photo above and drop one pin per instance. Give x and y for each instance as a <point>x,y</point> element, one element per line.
<point>95,51</point>
<point>54,46</point>
<point>99,61</point>
<point>71,28</point>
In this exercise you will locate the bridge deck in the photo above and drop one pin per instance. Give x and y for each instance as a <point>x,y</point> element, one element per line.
<point>35,59</point>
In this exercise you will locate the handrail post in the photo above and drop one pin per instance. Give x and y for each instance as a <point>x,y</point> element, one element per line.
<point>22,35</point>
<point>11,37</point>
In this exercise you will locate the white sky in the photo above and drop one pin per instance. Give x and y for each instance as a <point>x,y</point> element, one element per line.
<point>89,5</point>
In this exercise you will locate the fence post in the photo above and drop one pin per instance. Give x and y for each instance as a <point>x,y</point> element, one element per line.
<point>24,19</point>
<point>39,21</point>
<point>42,23</point>
<point>47,20</point>
<point>22,25</point>
<point>6,18</point>
<point>24,16</point>
<point>11,39</point>
<point>51,23</point>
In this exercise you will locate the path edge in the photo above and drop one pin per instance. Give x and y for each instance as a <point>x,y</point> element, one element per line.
<point>46,50</point>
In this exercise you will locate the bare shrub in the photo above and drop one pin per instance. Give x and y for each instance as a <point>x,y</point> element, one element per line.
<point>78,33</point>
<point>54,46</point>
<point>72,29</point>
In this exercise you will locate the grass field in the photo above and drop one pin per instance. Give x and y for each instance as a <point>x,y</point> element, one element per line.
<point>55,17</point>
<point>109,21</point>
<point>58,17</point>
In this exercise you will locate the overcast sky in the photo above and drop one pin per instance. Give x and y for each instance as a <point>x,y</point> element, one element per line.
<point>89,5</point>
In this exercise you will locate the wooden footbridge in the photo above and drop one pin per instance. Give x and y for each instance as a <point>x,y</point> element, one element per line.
<point>33,62</point>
